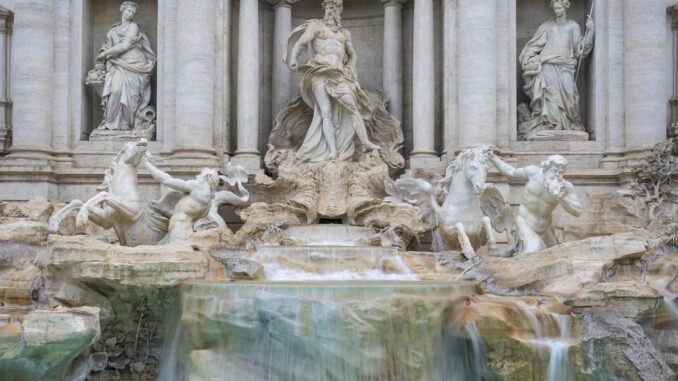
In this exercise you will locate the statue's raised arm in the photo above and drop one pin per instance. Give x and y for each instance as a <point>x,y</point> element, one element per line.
<point>545,189</point>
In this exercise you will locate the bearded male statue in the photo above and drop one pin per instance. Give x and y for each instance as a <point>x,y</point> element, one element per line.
<point>334,119</point>
<point>550,62</point>
<point>544,191</point>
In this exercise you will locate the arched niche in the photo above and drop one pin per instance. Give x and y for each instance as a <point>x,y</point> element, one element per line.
<point>530,14</point>
<point>99,16</point>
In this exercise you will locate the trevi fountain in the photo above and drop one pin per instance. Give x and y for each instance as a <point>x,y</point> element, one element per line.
<point>357,190</point>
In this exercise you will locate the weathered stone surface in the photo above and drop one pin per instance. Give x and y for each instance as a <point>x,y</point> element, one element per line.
<point>84,259</point>
<point>562,269</point>
<point>37,209</point>
<point>215,239</point>
<point>627,298</point>
<point>242,269</point>
<point>42,344</point>
<point>22,230</point>
<point>22,285</point>
<point>20,280</point>
<point>304,192</point>
<point>614,347</point>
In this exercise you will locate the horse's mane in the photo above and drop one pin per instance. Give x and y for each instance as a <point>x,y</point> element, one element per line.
<point>108,174</point>
<point>456,166</point>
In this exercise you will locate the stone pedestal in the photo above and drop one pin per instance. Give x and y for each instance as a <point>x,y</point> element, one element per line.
<point>428,162</point>
<point>117,135</point>
<point>305,192</point>
<point>558,135</point>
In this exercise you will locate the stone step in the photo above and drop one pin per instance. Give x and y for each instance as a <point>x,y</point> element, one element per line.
<point>328,234</point>
<point>321,259</point>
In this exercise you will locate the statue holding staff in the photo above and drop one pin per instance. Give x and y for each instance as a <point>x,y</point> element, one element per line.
<point>549,62</point>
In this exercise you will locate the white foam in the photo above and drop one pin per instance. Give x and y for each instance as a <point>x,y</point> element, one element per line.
<point>275,272</point>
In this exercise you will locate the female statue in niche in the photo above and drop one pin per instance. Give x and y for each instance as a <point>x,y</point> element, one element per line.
<point>124,68</point>
<point>549,62</point>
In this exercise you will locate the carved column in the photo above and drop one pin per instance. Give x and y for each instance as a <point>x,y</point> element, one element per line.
<point>247,154</point>
<point>644,72</point>
<point>195,74</point>
<point>423,86</point>
<point>450,127</point>
<point>673,127</point>
<point>6,19</point>
<point>477,84</point>
<point>32,79</point>
<point>281,73</point>
<point>393,64</point>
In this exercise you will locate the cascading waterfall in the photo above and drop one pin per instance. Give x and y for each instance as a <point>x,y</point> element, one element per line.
<point>320,331</point>
<point>672,307</point>
<point>329,310</point>
<point>559,368</point>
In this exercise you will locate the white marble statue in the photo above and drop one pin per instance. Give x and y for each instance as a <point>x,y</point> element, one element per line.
<point>123,71</point>
<point>550,63</point>
<point>545,190</point>
<point>119,204</point>
<point>330,86</point>
<point>200,200</point>
<point>469,209</point>
<point>333,118</point>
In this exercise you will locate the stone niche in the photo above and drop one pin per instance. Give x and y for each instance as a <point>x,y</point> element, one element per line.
<point>530,14</point>
<point>365,20</point>
<point>99,16</point>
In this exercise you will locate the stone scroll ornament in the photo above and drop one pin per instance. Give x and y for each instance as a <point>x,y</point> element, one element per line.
<point>461,210</point>
<point>550,63</point>
<point>122,78</point>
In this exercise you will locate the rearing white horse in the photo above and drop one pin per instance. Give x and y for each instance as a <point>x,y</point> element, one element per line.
<point>469,207</point>
<point>118,205</point>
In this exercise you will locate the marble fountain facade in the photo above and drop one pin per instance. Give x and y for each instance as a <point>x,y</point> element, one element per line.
<point>338,190</point>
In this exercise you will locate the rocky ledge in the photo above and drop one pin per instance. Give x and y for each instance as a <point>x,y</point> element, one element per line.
<point>45,344</point>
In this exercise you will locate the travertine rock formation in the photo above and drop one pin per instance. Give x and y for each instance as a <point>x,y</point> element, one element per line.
<point>43,344</point>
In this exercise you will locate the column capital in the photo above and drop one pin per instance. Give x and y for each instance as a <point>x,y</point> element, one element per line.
<point>6,19</point>
<point>282,3</point>
<point>392,3</point>
<point>673,10</point>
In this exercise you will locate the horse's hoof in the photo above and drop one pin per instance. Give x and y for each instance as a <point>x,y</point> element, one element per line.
<point>492,251</point>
